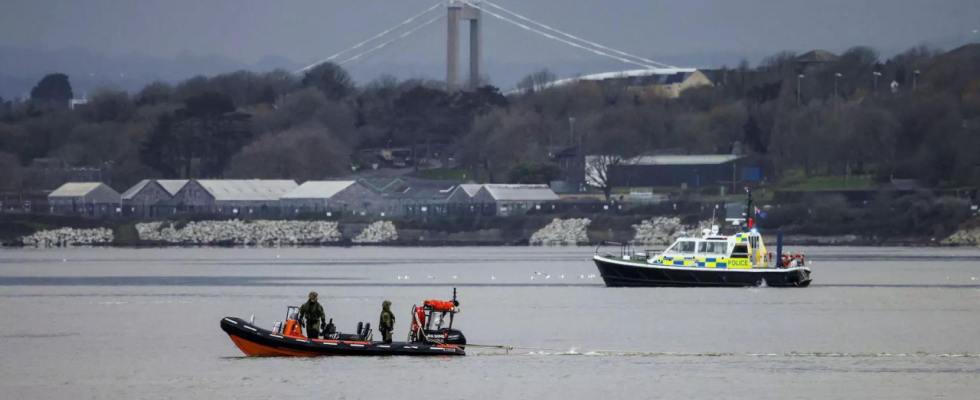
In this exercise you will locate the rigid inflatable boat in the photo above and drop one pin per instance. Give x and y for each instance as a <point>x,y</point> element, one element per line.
<point>427,337</point>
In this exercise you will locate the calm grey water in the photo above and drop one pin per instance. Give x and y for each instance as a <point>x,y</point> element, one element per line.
<point>125,324</point>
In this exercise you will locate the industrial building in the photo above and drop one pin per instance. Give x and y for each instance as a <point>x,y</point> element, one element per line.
<point>93,199</point>
<point>332,196</point>
<point>247,198</point>
<point>139,200</point>
<point>684,171</point>
<point>666,85</point>
<point>514,199</point>
<point>419,197</point>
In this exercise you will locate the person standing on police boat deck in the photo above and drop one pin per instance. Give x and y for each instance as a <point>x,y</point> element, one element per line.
<point>315,318</point>
<point>387,324</point>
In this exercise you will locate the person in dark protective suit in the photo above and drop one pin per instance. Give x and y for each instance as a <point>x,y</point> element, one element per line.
<point>387,324</point>
<point>315,317</point>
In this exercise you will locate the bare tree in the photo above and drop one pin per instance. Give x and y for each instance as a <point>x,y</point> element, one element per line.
<point>502,140</point>
<point>605,152</point>
<point>536,81</point>
<point>600,171</point>
<point>308,152</point>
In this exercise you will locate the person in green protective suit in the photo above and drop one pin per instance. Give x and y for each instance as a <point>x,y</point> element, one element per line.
<point>315,317</point>
<point>387,324</point>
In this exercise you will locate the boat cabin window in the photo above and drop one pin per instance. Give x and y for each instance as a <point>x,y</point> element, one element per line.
<point>684,246</point>
<point>720,248</point>
<point>740,251</point>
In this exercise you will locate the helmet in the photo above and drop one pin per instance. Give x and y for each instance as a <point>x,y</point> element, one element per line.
<point>386,303</point>
<point>313,295</point>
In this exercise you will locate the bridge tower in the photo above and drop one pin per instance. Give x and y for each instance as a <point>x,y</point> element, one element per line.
<point>460,11</point>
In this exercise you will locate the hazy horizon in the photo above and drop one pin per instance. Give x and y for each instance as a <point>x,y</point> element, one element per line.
<point>305,30</point>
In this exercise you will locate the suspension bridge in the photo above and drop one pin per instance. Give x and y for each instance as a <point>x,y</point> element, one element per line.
<point>473,11</point>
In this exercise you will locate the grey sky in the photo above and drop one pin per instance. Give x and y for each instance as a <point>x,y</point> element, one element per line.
<point>304,30</point>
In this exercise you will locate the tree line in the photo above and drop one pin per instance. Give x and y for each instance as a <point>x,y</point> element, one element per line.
<point>831,119</point>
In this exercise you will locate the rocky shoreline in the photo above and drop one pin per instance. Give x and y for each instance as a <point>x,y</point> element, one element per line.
<point>969,236</point>
<point>68,237</point>
<point>260,233</point>
<point>657,231</point>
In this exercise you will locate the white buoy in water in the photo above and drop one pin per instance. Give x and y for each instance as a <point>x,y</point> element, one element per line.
<point>399,277</point>
<point>454,277</point>
<point>492,277</point>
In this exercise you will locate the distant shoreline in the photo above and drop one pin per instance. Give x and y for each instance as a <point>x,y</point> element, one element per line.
<point>491,232</point>
<point>796,240</point>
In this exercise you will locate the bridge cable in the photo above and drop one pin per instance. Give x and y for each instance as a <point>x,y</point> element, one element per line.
<point>553,37</point>
<point>373,38</point>
<point>594,44</point>
<point>402,36</point>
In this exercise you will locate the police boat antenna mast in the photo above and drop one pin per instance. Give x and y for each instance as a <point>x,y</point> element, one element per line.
<point>452,315</point>
<point>749,211</point>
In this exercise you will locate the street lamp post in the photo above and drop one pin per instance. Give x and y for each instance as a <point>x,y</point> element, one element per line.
<point>876,74</point>
<point>571,130</point>
<point>799,86</point>
<point>915,79</point>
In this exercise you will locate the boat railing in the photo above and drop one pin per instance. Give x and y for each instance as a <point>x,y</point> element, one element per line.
<point>627,251</point>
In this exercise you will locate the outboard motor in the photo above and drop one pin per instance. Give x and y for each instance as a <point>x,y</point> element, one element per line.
<point>446,336</point>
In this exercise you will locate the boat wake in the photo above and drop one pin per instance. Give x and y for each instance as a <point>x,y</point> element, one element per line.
<point>607,353</point>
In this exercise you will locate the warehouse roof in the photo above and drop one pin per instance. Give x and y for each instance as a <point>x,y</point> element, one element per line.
<point>521,192</point>
<point>75,189</point>
<point>318,189</point>
<point>818,56</point>
<point>95,192</point>
<point>170,186</point>
<point>247,190</point>
<point>131,192</point>
<point>684,160</point>
<point>422,189</point>
<point>470,188</point>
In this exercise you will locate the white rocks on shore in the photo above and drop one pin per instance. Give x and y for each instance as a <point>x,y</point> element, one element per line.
<point>68,237</point>
<point>378,232</point>
<point>562,233</point>
<point>964,237</point>
<point>661,230</point>
<point>241,232</point>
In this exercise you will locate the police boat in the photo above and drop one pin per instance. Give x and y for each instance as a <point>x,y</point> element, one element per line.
<point>737,260</point>
<point>430,335</point>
